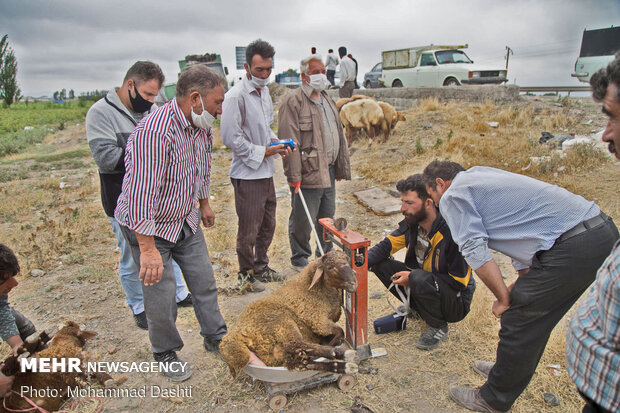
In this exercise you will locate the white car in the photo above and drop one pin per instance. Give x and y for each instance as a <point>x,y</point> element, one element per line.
<point>597,50</point>
<point>435,66</point>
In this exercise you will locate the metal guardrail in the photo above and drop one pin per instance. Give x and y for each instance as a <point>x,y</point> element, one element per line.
<point>555,89</point>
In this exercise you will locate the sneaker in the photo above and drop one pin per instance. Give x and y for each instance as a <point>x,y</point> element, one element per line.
<point>471,399</point>
<point>268,275</point>
<point>186,302</point>
<point>178,372</point>
<point>247,278</point>
<point>140,320</point>
<point>431,337</point>
<point>483,368</point>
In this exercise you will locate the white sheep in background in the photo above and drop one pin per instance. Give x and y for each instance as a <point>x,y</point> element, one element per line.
<point>361,114</point>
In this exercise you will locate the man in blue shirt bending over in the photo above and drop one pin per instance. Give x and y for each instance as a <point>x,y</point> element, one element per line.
<point>557,240</point>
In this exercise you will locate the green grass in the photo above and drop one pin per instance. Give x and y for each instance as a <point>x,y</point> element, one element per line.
<point>36,114</point>
<point>55,157</point>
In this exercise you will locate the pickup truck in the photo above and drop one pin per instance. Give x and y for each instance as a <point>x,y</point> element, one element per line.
<point>435,66</point>
<point>211,60</point>
<point>598,48</point>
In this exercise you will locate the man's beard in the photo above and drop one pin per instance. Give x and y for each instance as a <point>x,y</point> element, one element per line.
<point>612,148</point>
<point>414,219</point>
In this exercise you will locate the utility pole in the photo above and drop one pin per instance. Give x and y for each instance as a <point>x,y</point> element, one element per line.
<point>508,53</point>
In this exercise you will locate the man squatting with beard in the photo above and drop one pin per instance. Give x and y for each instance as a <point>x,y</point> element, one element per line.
<point>439,279</point>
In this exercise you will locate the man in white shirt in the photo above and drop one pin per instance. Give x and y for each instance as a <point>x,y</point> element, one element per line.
<point>330,64</point>
<point>347,74</point>
<point>246,118</point>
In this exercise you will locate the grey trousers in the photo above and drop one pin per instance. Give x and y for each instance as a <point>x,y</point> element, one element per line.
<point>24,325</point>
<point>538,301</point>
<point>190,252</point>
<point>321,204</point>
<point>346,91</point>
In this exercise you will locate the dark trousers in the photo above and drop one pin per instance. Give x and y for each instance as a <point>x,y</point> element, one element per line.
<point>435,301</point>
<point>346,91</point>
<point>321,203</point>
<point>538,301</point>
<point>255,202</point>
<point>330,76</point>
<point>190,252</point>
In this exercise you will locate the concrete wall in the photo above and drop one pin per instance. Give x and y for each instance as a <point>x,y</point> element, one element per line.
<point>406,97</point>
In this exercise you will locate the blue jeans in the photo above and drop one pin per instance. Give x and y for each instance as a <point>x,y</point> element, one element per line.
<point>129,271</point>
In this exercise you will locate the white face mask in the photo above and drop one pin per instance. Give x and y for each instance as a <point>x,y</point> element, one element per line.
<point>204,120</point>
<point>319,82</point>
<point>258,83</point>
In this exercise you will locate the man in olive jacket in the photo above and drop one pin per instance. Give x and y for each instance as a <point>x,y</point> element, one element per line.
<point>309,116</point>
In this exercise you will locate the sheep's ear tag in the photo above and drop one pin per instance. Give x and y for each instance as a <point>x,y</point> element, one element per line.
<point>317,275</point>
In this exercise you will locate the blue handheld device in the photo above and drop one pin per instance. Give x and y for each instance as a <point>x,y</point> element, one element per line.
<point>288,143</point>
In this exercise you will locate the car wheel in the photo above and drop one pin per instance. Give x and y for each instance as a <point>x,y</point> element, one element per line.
<point>397,83</point>
<point>367,84</point>
<point>451,82</point>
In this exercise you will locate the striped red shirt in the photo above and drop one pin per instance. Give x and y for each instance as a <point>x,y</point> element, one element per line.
<point>167,170</point>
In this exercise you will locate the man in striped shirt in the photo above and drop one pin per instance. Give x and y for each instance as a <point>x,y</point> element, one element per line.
<point>168,166</point>
<point>593,339</point>
<point>557,240</point>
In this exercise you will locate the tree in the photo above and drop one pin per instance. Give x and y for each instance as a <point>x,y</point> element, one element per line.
<point>9,91</point>
<point>56,96</point>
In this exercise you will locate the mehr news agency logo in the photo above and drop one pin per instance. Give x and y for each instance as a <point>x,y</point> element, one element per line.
<point>74,365</point>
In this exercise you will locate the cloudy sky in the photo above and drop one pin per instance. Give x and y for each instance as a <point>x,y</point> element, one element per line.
<point>85,45</point>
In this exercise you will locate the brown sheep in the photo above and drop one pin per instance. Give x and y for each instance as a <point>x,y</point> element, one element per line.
<point>284,328</point>
<point>390,118</point>
<point>67,342</point>
<point>361,114</point>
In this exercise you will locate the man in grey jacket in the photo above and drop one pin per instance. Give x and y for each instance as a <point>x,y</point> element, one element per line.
<point>109,122</point>
<point>309,116</point>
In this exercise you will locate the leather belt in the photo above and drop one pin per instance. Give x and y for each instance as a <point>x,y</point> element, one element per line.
<point>583,227</point>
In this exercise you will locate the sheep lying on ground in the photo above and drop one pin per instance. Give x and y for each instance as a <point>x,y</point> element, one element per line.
<point>67,342</point>
<point>360,114</point>
<point>390,118</point>
<point>284,328</point>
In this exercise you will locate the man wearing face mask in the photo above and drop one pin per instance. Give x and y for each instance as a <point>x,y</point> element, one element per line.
<point>168,171</point>
<point>245,126</point>
<point>109,122</point>
<point>439,279</point>
<point>309,116</point>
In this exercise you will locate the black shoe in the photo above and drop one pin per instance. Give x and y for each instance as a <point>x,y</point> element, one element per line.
<point>267,275</point>
<point>140,320</point>
<point>178,371</point>
<point>247,281</point>
<point>186,302</point>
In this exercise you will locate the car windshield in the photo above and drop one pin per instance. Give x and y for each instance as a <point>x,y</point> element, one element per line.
<point>451,56</point>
